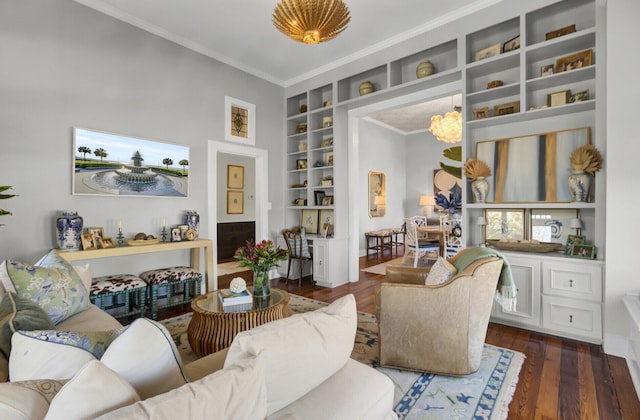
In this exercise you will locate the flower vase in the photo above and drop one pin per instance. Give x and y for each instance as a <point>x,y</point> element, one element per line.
<point>480,189</point>
<point>261,283</point>
<point>579,184</point>
<point>69,231</point>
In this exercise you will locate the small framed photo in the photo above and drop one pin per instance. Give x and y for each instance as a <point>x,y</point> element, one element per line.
<point>579,96</point>
<point>489,52</point>
<point>583,251</point>
<point>512,44</point>
<point>97,232</point>
<point>327,200</point>
<point>301,128</point>
<point>310,220</point>
<point>480,113</point>
<point>559,32</point>
<point>107,243</point>
<point>574,61</point>
<point>176,235</point>
<point>329,159</point>
<point>235,202</point>
<point>301,164</point>
<point>235,177</point>
<point>559,98</point>
<point>505,109</point>
<point>547,70</point>
<point>573,240</point>
<point>319,196</point>
<point>88,241</point>
<point>183,231</point>
<point>299,202</point>
<point>326,142</point>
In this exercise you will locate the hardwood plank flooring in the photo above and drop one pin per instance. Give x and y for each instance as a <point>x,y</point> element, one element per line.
<point>560,378</point>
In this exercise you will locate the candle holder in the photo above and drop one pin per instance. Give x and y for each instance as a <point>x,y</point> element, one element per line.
<point>120,237</point>
<point>163,234</point>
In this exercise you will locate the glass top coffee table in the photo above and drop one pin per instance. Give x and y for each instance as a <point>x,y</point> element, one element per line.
<point>212,329</point>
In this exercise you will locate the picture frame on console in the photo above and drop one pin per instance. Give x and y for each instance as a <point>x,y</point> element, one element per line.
<point>573,240</point>
<point>583,251</point>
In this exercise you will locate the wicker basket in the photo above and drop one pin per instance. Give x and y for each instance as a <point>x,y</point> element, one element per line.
<point>525,247</point>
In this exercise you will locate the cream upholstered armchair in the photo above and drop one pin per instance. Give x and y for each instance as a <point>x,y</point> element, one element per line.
<point>436,328</point>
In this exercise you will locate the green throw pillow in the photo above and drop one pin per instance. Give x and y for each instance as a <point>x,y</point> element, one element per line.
<point>18,313</point>
<point>58,291</point>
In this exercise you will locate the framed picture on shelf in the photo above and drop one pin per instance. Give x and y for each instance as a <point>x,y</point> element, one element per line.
<point>235,177</point>
<point>327,200</point>
<point>583,251</point>
<point>573,240</point>
<point>309,220</point>
<point>489,52</point>
<point>235,202</point>
<point>558,98</point>
<point>87,241</point>
<point>579,96</point>
<point>552,225</point>
<point>547,70</point>
<point>326,216</point>
<point>512,44</point>
<point>183,231</point>
<point>239,121</point>
<point>301,128</point>
<point>559,32</point>
<point>107,243</point>
<point>326,142</point>
<point>329,161</point>
<point>505,109</point>
<point>299,202</point>
<point>301,164</point>
<point>175,235</point>
<point>574,61</point>
<point>97,232</point>
<point>507,224</point>
<point>319,196</point>
<point>480,113</point>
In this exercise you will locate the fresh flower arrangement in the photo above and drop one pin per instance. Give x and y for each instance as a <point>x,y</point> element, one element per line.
<point>261,256</point>
<point>586,158</point>
<point>474,169</point>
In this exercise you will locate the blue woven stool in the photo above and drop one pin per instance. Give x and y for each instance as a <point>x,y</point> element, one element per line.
<point>182,285</point>
<point>126,291</point>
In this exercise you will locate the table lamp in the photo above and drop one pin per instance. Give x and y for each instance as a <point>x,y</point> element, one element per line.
<point>576,224</point>
<point>482,222</point>
<point>427,202</point>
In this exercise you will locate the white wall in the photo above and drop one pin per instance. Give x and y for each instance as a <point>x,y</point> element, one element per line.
<point>381,150</point>
<point>621,160</point>
<point>66,65</point>
<point>249,190</point>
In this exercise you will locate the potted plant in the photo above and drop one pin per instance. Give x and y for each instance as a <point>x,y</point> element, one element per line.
<point>585,161</point>
<point>3,196</point>
<point>477,171</point>
<point>260,258</point>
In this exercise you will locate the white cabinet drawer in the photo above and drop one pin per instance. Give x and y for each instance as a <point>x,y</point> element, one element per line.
<point>572,317</point>
<point>574,280</point>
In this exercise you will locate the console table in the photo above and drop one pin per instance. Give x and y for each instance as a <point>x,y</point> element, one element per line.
<point>206,245</point>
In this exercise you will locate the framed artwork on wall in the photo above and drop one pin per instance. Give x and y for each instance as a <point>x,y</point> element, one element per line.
<point>508,224</point>
<point>552,225</point>
<point>115,165</point>
<point>235,177</point>
<point>235,202</point>
<point>239,121</point>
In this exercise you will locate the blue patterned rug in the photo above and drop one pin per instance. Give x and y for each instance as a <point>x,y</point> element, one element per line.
<point>485,394</point>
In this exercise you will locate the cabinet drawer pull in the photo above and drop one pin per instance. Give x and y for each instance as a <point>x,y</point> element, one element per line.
<point>570,283</point>
<point>570,319</point>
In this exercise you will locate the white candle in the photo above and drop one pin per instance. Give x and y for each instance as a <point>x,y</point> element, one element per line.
<point>164,222</point>
<point>119,224</point>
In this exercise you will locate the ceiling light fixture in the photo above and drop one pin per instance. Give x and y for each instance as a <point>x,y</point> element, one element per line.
<point>311,21</point>
<point>448,128</point>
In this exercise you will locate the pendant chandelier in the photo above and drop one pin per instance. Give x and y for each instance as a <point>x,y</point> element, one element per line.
<point>448,128</point>
<point>311,21</point>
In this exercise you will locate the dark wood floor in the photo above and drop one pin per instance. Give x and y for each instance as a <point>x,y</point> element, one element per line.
<point>560,378</point>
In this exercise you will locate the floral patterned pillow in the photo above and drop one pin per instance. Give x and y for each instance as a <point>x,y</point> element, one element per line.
<point>58,291</point>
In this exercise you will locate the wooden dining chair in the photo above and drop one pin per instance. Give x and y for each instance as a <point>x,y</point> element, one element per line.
<point>298,248</point>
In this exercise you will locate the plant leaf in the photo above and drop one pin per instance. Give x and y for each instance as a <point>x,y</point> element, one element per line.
<point>453,153</point>
<point>453,170</point>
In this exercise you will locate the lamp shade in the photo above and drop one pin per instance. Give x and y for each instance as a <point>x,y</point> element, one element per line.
<point>379,200</point>
<point>575,224</point>
<point>481,221</point>
<point>426,200</point>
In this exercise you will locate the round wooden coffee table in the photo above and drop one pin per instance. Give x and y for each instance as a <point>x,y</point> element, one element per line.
<point>212,329</point>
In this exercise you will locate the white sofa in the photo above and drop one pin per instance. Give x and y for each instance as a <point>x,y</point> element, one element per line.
<point>295,368</point>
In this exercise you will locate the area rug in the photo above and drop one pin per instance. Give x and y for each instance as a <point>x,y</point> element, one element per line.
<point>380,268</point>
<point>485,394</point>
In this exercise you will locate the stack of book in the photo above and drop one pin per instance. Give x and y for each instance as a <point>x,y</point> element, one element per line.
<point>235,302</point>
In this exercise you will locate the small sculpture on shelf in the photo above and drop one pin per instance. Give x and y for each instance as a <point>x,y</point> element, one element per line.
<point>585,161</point>
<point>477,171</point>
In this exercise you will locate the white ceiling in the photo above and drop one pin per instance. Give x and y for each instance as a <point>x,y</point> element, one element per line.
<point>240,32</point>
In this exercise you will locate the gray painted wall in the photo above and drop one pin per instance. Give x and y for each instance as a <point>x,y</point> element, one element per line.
<point>66,65</point>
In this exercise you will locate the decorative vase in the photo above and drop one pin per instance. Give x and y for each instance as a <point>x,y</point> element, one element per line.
<point>366,87</point>
<point>480,189</point>
<point>69,231</point>
<point>579,184</point>
<point>192,219</point>
<point>424,69</point>
<point>261,283</point>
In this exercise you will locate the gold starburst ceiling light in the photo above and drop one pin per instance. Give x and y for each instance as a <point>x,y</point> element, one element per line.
<point>311,21</point>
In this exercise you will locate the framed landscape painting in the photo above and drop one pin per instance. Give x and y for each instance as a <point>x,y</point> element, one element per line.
<point>116,165</point>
